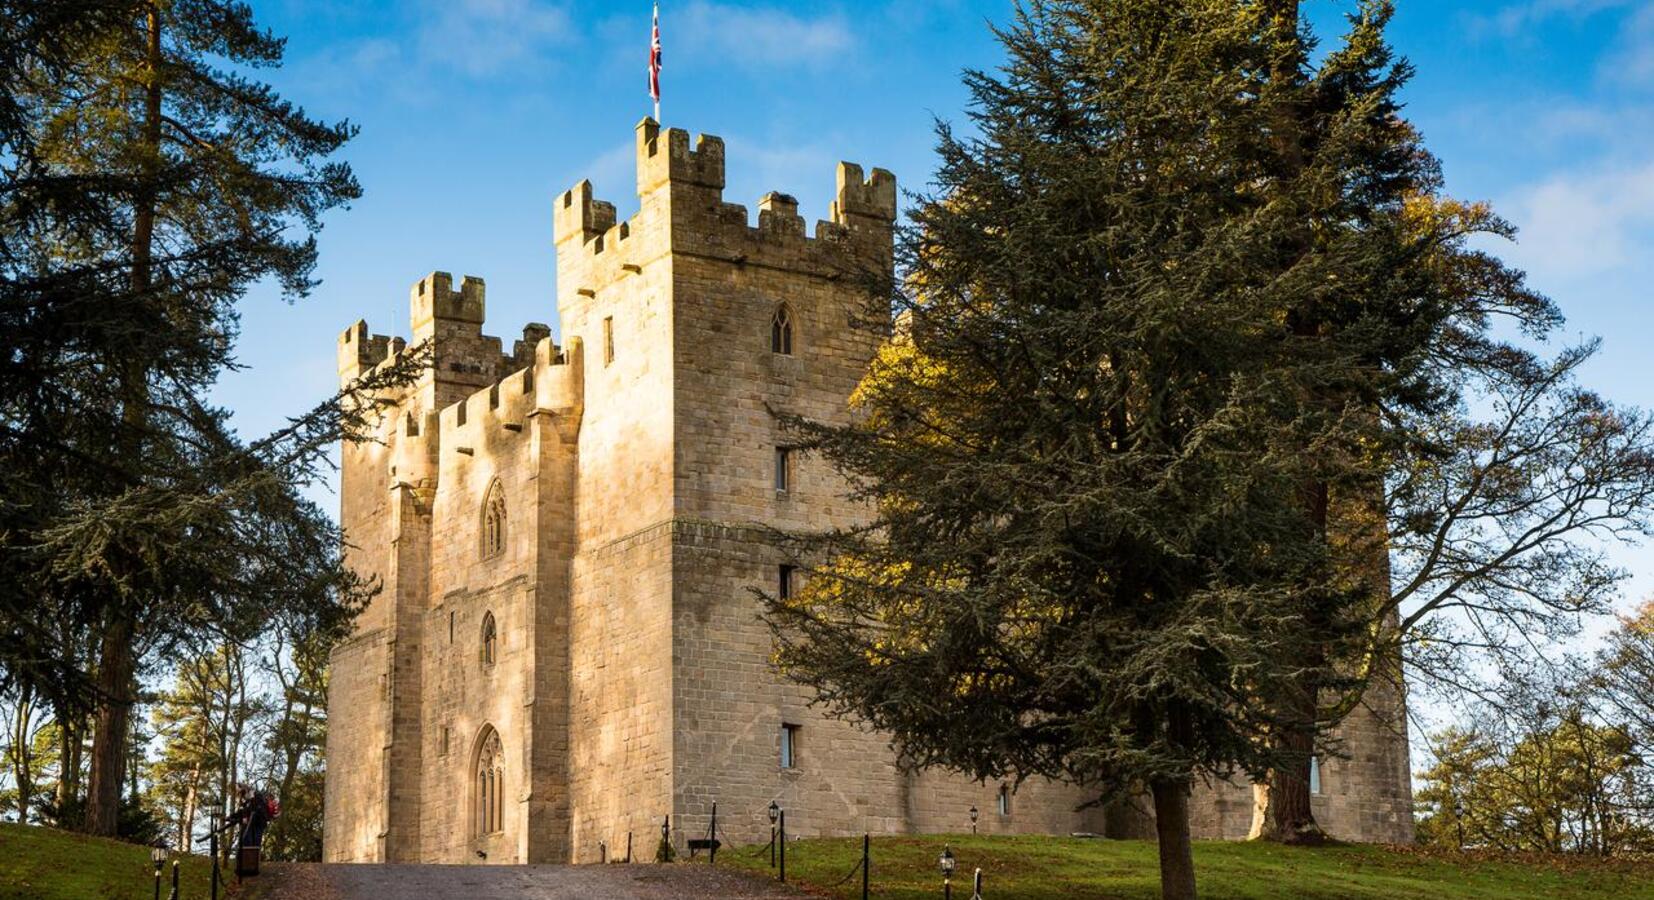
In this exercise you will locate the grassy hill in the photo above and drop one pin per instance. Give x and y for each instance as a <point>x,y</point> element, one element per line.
<point>1043,868</point>
<point>47,864</point>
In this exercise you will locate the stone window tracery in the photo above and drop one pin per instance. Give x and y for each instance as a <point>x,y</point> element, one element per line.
<point>493,521</point>
<point>488,788</point>
<point>781,330</point>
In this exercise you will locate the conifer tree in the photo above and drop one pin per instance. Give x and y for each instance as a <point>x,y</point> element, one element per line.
<point>147,182</point>
<point>1096,447</point>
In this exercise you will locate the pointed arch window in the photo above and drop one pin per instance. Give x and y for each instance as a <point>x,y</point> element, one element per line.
<point>488,785</point>
<point>493,521</point>
<point>781,330</point>
<point>490,640</point>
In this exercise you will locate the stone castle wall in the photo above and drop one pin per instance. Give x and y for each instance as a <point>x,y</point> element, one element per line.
<point>632,678</point>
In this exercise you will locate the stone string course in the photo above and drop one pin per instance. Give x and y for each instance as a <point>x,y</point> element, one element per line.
<point>631,677</point>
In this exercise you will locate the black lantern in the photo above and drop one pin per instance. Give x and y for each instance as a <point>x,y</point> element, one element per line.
<point>158,855</point>
<point>775,811</point>
<point>946,862</point>
<point>973,818</point>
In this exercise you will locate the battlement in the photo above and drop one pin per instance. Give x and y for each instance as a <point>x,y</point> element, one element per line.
<point>580,215</point>
<point>433,299</point>
<point>681,186</point>
<point>871,198</point>
<point>671,160</point>
<point>360,352</point>
<point>552,383</point>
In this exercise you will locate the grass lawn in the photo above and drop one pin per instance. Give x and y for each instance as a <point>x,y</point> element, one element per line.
<point>47,864</point>
<point>1046,868</point>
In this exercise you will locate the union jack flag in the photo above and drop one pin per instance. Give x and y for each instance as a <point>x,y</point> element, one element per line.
<point>654,63</point>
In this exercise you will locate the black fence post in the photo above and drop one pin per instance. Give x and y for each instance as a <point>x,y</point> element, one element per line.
<point>628,848</point>
<point>174,895</point>
<point>157,876</point>
<point>783,843</point>
<point>976,890</point>
<point>866,854</point>
<point>712,835</point>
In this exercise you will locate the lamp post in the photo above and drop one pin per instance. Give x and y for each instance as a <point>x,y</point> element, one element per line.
<point>973,818</point>
<point>775,813</point>
<point>946,863</point>
<point>212,847</point>
<point>158,855</point>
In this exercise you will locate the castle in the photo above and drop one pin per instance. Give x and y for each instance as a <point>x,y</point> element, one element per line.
<point>566,647</point>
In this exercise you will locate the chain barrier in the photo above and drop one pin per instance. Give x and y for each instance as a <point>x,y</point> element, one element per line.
<point>850,874</point>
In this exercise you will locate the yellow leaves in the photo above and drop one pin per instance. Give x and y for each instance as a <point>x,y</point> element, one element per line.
<point>1430,218</point>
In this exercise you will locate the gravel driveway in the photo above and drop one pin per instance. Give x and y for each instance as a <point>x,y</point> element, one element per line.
<point>298,881</point>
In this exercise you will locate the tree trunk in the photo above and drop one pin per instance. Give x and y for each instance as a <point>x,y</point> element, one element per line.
<point>1171,826</point>
<point>110,728</point>
<point>22,752</point>
<point>186,818</point>
<point>1281,810</point>
<point>1281,806</point>
<point>68,767</point>
<point>117,664</point>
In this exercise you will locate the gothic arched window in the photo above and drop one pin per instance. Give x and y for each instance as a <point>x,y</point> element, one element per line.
<point>781,330</point>
<point>490,640</point>
<point>493,521</point>
<point>488,787</point>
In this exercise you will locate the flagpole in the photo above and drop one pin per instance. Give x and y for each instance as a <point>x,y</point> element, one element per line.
<point>654,62</point>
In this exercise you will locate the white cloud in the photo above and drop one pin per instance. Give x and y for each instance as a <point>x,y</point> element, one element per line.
<point>1632,60</point>
<point>759,36</point>
<point>1515,17</point>
<point>483,37</point>
<point>1580,224</point>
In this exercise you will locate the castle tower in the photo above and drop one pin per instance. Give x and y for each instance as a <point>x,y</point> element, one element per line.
<point>566,647</point>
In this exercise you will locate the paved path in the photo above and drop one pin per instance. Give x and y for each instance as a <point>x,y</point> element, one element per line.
<point>297,881</point>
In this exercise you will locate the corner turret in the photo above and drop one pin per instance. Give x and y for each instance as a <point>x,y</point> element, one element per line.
<point>438,311</point>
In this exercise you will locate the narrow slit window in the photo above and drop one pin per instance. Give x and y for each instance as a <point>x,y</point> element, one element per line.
<point>490,640</point>
<point>783,469</point>
<point>493,522</point>
<point>1004,799</point>
<point>1315,774</point>
<point>789,746</point>
<point>781,331</point>
<point>608,339</point>
<point>784,582</point>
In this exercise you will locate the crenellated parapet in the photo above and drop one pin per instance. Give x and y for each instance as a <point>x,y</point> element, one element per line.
<point>671,161</point>
<point>361,352</point>
<point>473,394</point>
<point>493,419</point>
<point>864,202</point>
<point>434,304</point>
<point>680,185</point>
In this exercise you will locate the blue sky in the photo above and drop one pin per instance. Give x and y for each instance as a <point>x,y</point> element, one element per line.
<point>474,113</point>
